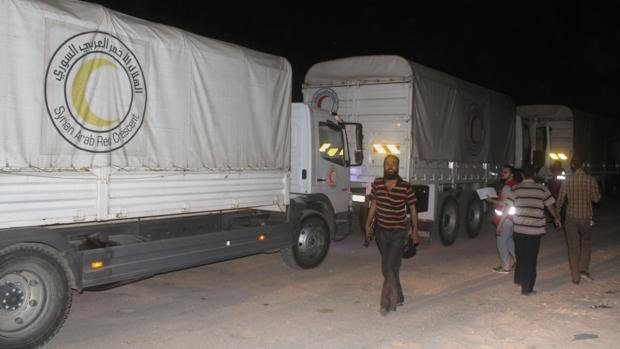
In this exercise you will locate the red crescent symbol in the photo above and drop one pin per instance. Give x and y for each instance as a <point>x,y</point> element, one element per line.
<point>330,177</point>
<point>320,101</point>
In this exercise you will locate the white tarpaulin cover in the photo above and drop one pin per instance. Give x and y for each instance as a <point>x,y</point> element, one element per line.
<point>82,86</point>
<point>453,120</point>
<point>545,112</point>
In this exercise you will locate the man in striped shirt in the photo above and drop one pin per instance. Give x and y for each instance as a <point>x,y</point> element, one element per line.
<point>580,190</point>
<point>529,200</point>
<point>391,199</point>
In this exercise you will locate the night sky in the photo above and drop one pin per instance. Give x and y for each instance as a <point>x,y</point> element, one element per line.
<point>537,53</point>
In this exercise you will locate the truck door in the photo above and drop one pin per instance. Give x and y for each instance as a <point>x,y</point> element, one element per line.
<point>331,173</point>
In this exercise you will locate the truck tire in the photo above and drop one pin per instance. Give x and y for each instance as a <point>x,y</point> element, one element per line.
<point>34,295</point>
<point>311,245</point>
<point>473,216</point>
<point>448,221</point>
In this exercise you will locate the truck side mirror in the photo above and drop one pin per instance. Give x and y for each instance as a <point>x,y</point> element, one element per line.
<point>332,125</point>
<point>359,157</point>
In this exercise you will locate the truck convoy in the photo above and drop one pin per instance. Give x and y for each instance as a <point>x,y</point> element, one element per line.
<point>451,136</point>
<point>129,148</point>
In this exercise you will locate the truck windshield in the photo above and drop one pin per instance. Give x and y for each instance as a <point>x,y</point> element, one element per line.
<point>331,144</point>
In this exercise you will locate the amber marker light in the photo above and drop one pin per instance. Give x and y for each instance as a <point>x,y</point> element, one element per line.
<point>261,237</point>
<point>96,265</point>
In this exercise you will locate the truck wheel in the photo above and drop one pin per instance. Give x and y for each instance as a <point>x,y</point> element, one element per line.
<point>449,221</point>
<point>35,297</point>
<point>311,245</point>
<point>473,214</point>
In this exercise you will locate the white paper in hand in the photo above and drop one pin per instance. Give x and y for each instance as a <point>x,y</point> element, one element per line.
<point>488,192</point>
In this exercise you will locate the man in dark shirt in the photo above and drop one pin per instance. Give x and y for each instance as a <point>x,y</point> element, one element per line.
<point>581,190</point>
<point>391,198</point>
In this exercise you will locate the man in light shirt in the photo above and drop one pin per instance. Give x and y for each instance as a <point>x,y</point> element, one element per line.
<point>529,200</point>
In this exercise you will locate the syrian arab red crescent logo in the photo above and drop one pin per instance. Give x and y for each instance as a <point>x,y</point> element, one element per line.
<point>95,92</point>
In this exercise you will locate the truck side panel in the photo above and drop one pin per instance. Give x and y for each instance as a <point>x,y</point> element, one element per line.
<point>43,198</point>
<point>141,260</point>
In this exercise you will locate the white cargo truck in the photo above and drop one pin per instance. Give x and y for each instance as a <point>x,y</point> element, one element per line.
<point>548,133</point>
<point>451,136</point>
<point>129,149</point>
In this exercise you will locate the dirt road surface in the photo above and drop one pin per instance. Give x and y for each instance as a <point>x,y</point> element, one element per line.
<point>453,300</point>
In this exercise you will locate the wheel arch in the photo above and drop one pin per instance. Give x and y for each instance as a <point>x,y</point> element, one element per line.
<point>49,241</point>
<point>319,205</point>
<point>36,327</point>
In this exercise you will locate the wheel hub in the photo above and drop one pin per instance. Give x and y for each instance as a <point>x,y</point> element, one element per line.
<point>11,296</point>
<point>310,242</point>
<point>22,299</point>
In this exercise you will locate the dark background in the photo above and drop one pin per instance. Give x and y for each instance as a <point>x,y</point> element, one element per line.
<point>536,52</point>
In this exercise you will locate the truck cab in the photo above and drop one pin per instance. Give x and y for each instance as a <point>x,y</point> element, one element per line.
<point>544,137</point>
<point>321,160</point>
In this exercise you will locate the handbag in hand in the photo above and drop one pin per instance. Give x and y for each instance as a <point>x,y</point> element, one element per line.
<point>409,250</point>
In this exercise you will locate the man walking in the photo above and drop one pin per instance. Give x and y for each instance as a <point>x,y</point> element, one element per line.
<point>505,242</point>
<point>581,190</point>
<point>529,200</point>
<point>391,196</point>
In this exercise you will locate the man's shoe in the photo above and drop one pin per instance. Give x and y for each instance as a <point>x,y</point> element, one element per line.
<point>586,276</point>
<point>383,311</point>
<point>501,270</point>
<point>531,293</point>
<point>576,282</point>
